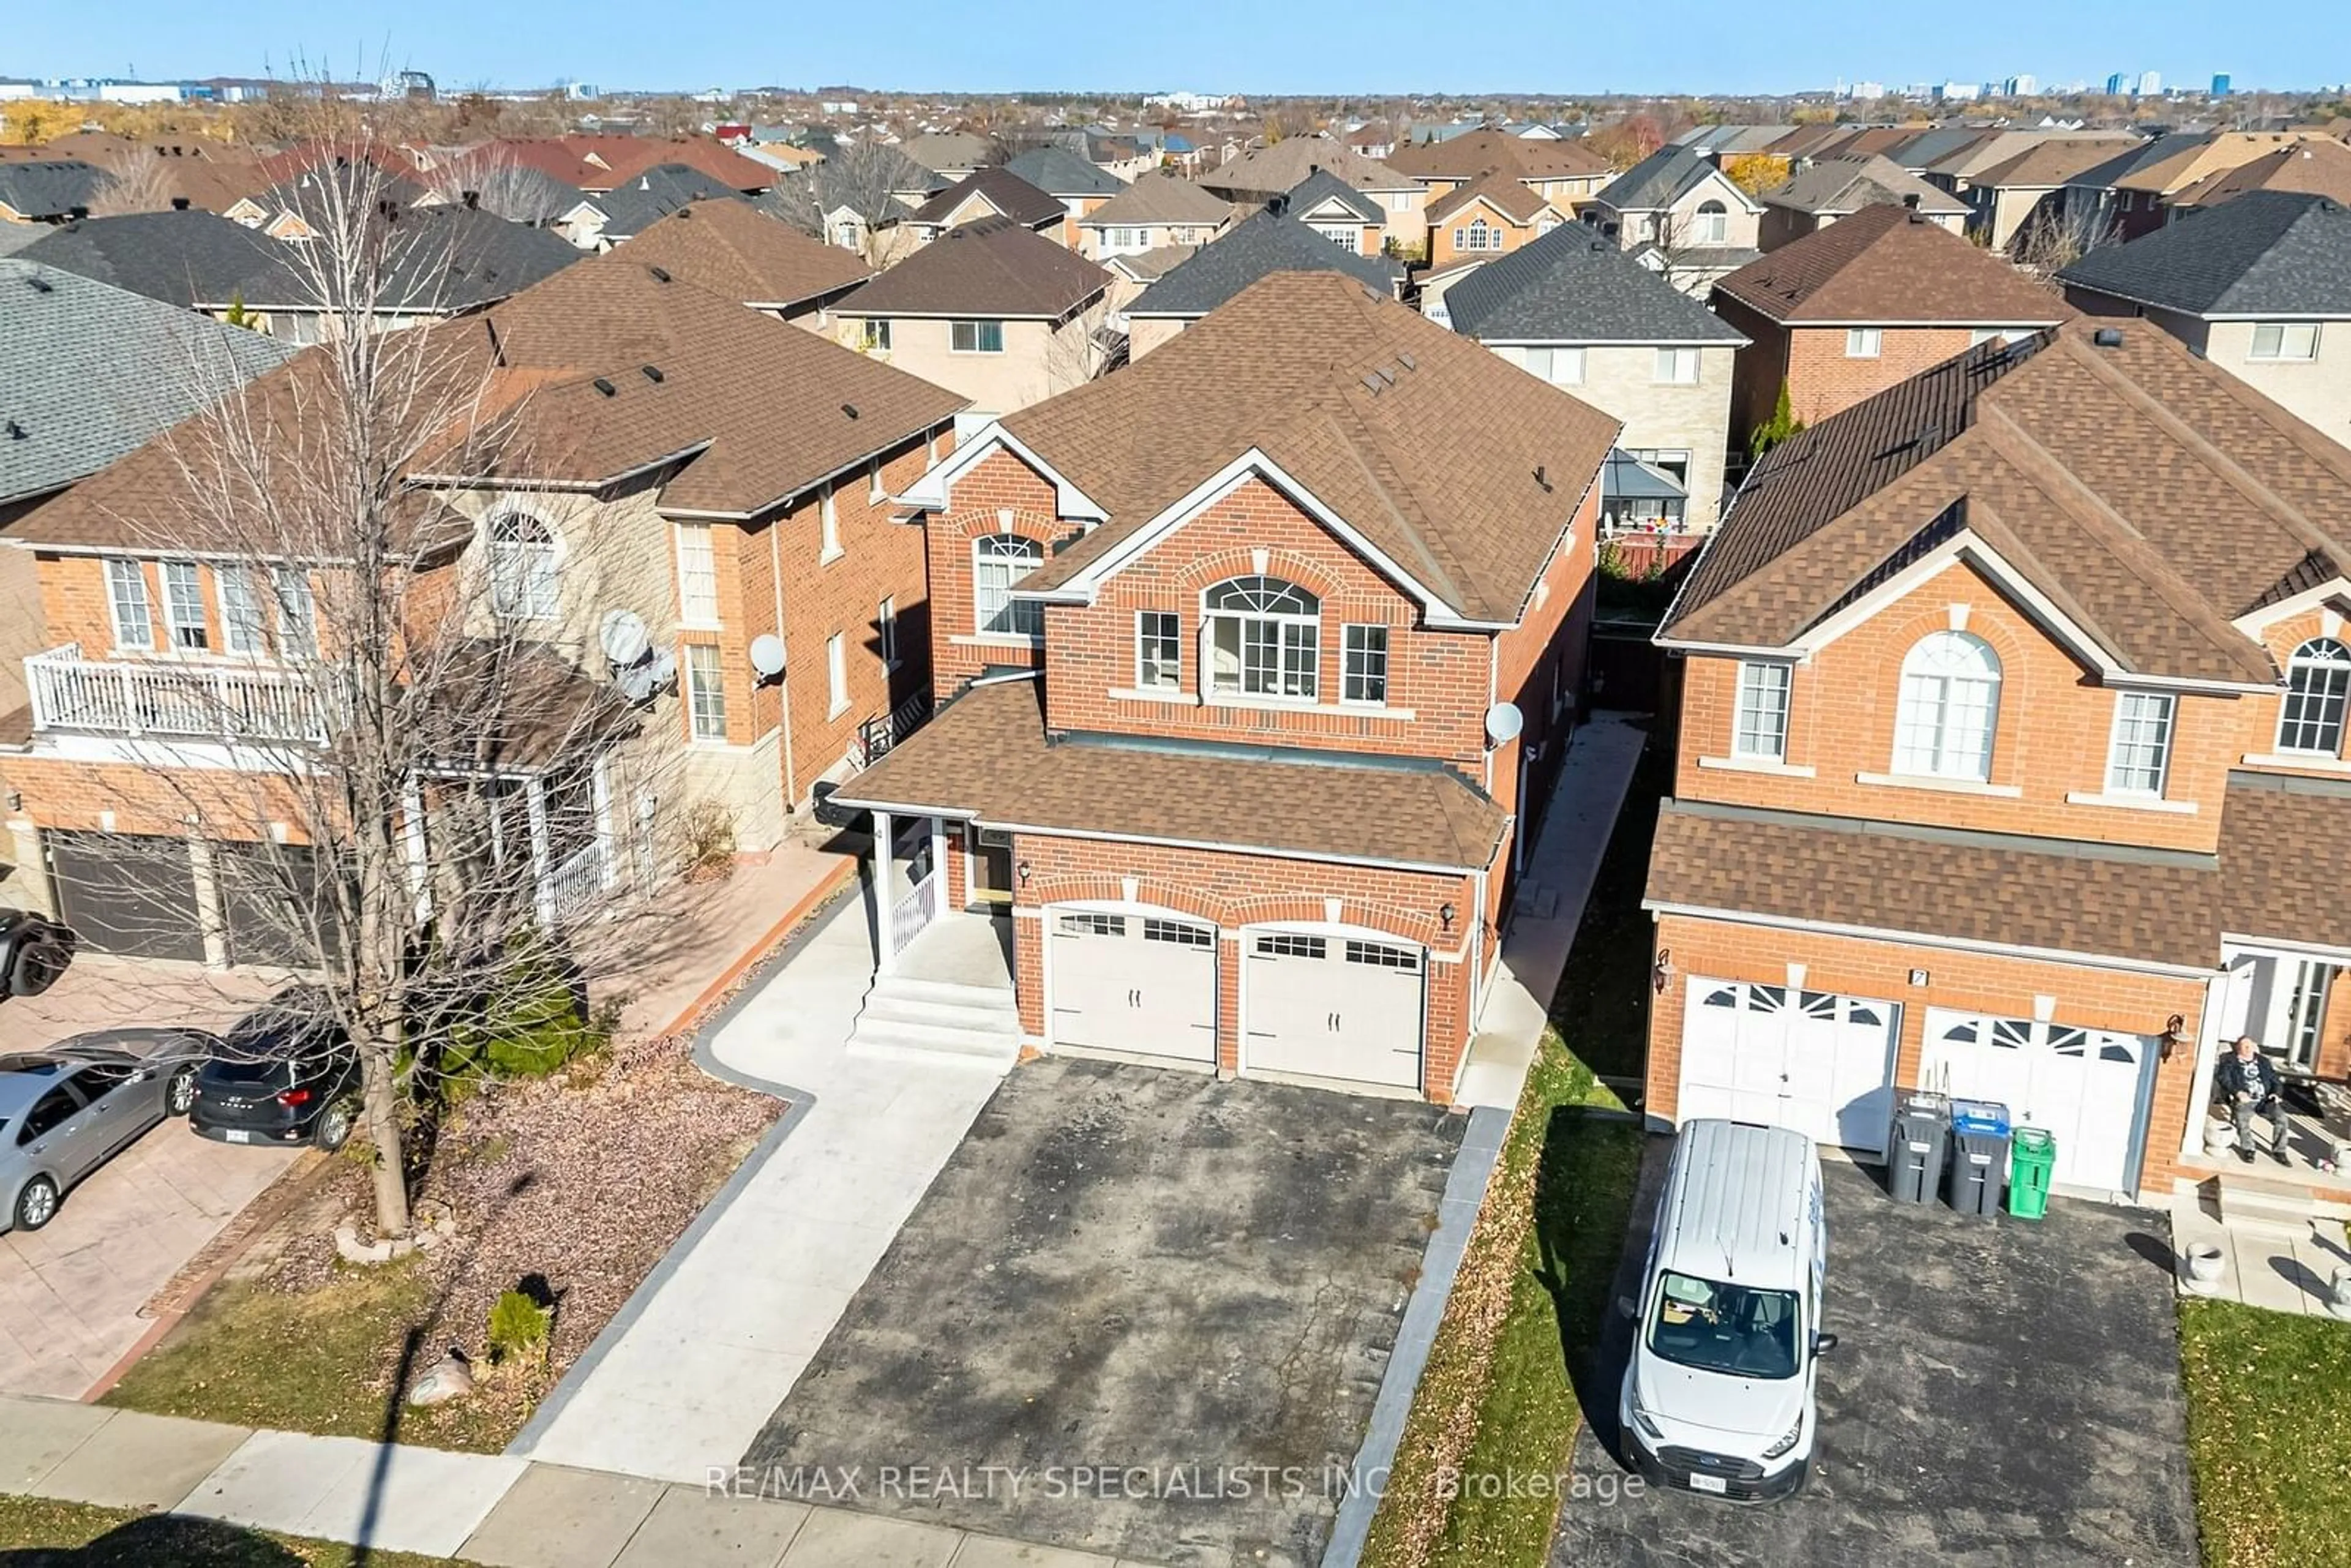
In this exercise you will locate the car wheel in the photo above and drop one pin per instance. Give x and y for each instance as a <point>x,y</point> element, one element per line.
<point>333,1127</point>
<point>37,1204</point>
<point>180,1094</point>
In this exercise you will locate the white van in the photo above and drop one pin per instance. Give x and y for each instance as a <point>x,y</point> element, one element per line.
<point>1718,1393</point>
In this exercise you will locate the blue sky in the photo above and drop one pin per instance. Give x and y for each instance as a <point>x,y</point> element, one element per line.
<point>1250,46</point>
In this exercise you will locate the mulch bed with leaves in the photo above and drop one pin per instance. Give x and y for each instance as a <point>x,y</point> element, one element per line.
<point>574,1185</point>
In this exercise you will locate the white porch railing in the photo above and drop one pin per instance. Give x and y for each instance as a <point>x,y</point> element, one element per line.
<point>916,910</point>
<point>573,887</point>
<point>158,698</point>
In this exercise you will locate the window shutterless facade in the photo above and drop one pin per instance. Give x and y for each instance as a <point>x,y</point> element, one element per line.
<point>2317,684</point>
<point>697,575</point>
<point>1264,638</point>
<point>1676,368</point>
<point>1759,721</point>
<point>705,691</point>
<point>298,613</point>
<point>1948,709</point>
<point>183,606</point>
<point>976,337</point>
<point>1864,342</point>
<point>522,568</point>
<point>886,631</point>
<point>1560,367</point>
<point>2285,341</point>
<point>836,673</point>
<point>2140,752</point>
<point>1713,225</point>
<point>998,562</point>
<point>241,622</point>
<point>1363,664</point>
<point>126,595</point>
<point>1158,651</point>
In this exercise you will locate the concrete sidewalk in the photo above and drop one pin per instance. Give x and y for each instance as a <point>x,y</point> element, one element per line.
<point>684,1377</point>
<point>489,1508</point>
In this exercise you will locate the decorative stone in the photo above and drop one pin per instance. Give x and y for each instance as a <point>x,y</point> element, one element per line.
<point>433,1224</point>
<point>2201,1265</point>
<point>2338,1300</point>
<point>448,1378</point>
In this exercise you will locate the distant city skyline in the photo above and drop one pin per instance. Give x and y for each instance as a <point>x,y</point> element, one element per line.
<point>1366,49</point>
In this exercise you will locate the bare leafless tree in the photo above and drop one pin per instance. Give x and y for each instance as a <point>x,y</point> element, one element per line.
<point>2067,227</point>
<point>854,195</point>
<point>137,182</point>
<point>1083,347</point>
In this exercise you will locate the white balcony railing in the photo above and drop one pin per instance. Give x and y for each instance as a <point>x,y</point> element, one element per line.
<point>913,914</point>
<point>189,701</point>
<point>574,886</point>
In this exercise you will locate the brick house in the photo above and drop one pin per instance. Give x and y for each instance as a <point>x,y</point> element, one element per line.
<point>1220,760</point>
<point>989,194</point>
<point>1489,217</point>
<point>1560,169</point>
<point>739,252</point>
<point>1849,310</point>
<point>1999,770</point>
<point>1679,212</point>
<point>176,662</point>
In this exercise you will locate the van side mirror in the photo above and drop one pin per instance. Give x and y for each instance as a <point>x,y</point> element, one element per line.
<point>1627,1307</point>
<point>1824,1343</point>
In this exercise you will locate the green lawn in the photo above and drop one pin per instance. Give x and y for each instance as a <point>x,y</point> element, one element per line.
<point>2266,1402</point>
<point>38,1533</point>
<point>1494,1420</point>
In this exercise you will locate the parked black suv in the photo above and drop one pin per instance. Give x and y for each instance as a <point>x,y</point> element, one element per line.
<point>285,1074</point>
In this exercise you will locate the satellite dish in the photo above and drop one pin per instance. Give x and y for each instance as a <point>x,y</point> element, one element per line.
<point>1503,723</point>
<point>663,668</point>
<point>623,636</point>
<point>637,683</point>
<point>767,655</point>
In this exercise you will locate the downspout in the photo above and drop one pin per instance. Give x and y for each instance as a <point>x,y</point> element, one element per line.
<point>784,680</point>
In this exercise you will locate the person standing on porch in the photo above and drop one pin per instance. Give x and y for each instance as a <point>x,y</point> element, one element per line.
<point>2248,1084</point>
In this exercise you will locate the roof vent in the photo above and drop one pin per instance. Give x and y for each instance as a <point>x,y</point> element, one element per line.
<point>686,211</point>
<point>16,431</point>
<point>850,409</point>
<point>652,375</point>
<point>1541,480</point>
<point>602,385</point>
<point>473,200</point>
<point>660,274</point>
<point>1407,361</point>
<point>40,285</point>
<point>179,203</point>
<point>1911,201</point>
<point>2107,338</point>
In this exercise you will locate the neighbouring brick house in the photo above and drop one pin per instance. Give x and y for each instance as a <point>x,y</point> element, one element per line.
<point>718,476</point>
<point>1561,170</point>
<point>2000,770</point>
<point>1489,217</point>
<point>1853,309</point>
<point>738,251</point>
<point>1219,730</point>
<point>989,194</point>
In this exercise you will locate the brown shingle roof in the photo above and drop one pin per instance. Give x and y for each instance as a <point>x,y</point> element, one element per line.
<point>2096,471</point>
<point>1266,172</point>
<point>2285,859</point>
<point>734,250</point>
<point>2050,164</point>
<point>1498,191</point>
<point>1841,185</point>
<point>994,267</point>
<point>1879,266</point>
<point>1007,191</point>
<point>1460,469</point>
<point>987,756</point>
<point>2140,905</point>
<point>1159,199</point>
<point>1476,152</point>
<point>601,163</point>
<point>2316,167</point>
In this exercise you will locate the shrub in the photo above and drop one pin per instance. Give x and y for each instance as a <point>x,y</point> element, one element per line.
<point>529,1021</point>
<point>519,1330</point>
<point>1783,424</point>
<point>708,829</point>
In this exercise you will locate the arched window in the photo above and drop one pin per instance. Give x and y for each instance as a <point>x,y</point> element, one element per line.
<point>998,562</point>
<point>1263,636</point>
<point>522,566</point>
<point>2317,678</point>
<point>1950,706</point>
<point>1713,223</point>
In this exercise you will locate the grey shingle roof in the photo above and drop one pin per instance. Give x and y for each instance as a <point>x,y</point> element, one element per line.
<point>1322,187</point>
<point>48,188</point>
<point>440,260</point>
<point>89,372</point>
<point>1657,181</point>
<point>1839,185</point>
<point>1573,286</point>
<point>2265,252</point>
<point>1059,172</point>
<point>636,204</point>
<point>1248,251</point>
<point>525,195</point>
<point>186,258</point>
<point>1005,191</point>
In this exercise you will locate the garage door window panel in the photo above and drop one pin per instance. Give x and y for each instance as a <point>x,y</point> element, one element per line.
<point>1263,639</point>
<point>1950,709</point>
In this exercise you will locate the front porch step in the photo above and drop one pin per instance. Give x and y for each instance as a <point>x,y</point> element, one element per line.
<point>2256,1202</point>
<point>952,993</point>
<point>931,1020</point>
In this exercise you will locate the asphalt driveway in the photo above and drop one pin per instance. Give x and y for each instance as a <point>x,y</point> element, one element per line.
<point>1142,1313</point>
<point>2001,1393</point>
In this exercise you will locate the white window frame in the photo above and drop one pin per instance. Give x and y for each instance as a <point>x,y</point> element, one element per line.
<point>836,676</point>
<point>2136,714</point>
<point>2279,350</point>
<point>998,562</point>
<point>298,612</point>
<point>697,578</point>
<point>1363,667</point>
<point>706,693</point>
<point>1935,734</point>
<point>1158,651</point>
<point>1864,342</point>
<point>827,517</point>
<point>186,628</point>
<point>874,337</point>
<point>1671,365</point>
<point>1712,221</point>
<point>1276,654</point>
<point>1476,235</point>
<point>1555,359</point>
<point>243,630</point>
<point>125,597</point>
<point>2317,675</point>
<point>876,492</point>
<point>977,337</point>
<point>525,574</point>
<point>1759,708</point>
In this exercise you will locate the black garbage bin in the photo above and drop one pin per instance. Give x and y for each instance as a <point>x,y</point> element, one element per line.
<point>1914,1166</point>
<point>1978,1156</point>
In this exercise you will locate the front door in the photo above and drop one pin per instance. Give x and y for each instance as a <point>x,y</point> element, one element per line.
<point>992,868</point>
<point>2280,1001</point>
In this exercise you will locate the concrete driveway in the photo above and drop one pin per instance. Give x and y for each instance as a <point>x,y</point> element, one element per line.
<point>2001,1393</point>
<point>1140,1312</point>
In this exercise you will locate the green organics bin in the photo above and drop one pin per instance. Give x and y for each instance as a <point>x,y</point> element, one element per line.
<point>2032,1154</point>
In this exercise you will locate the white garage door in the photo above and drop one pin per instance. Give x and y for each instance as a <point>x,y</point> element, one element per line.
<point>1332,1007</point>
<point>2086,1087</point>
<point>1139,983</point>
<point>1815,1061</point>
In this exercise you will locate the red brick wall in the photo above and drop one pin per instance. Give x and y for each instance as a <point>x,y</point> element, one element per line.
<point>1233,890</point>
<point>1822,380</point>
<point>2050,737</point>
<point>2258,716</point>
<point>2093,998</point>
<point>1001,494</point>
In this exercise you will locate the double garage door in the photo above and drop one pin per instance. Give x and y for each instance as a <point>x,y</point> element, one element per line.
<point>135,894</point>
<point>2086,1087</point>
<point>1312,1004</point>
<point>1818,1061</point>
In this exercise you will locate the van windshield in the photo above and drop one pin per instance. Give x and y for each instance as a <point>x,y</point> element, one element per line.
<point>1725,1328</point>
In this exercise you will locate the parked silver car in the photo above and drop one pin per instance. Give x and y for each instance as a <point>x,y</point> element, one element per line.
<point>67,1109</point>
